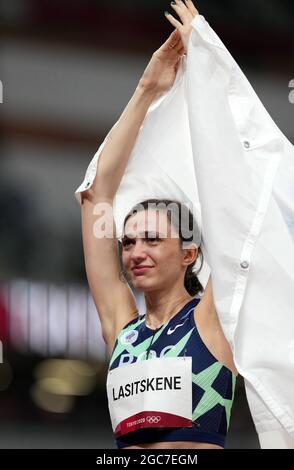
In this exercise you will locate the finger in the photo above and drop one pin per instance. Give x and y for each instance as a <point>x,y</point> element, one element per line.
<point>191,7</point>
<point>173,41</point>
<point>177,24</point>
<point>180,47</point>
<point>175,37</point>
<point>181,10</point>
<point>181,51</point>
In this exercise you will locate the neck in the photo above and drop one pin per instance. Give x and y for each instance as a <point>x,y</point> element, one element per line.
<point>162,305</point>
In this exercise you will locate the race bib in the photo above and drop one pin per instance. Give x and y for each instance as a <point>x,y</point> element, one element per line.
<point>156,393</point>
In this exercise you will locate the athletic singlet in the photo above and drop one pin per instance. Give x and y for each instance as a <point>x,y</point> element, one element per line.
<point>213,384</point>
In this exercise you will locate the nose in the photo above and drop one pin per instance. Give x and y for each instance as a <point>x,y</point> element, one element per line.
<point>138,254</point>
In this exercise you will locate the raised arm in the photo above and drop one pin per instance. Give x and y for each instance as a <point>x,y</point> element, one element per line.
<point>113,298</point>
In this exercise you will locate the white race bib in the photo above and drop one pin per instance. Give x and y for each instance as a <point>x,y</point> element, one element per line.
<point>155,393</point>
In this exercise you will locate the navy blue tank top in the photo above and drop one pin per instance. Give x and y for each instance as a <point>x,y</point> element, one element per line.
<point>213,384</point>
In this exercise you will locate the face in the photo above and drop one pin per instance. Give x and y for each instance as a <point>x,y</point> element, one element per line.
<point>152,254</point>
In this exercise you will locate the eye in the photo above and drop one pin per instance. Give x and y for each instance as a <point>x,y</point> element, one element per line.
<point>153,239</point>
<point>127,243</point>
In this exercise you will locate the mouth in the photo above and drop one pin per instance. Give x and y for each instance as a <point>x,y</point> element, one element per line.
<point>141,270</point>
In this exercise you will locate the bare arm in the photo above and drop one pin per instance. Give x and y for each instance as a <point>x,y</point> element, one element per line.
<point>114,299</point>
<point>120,142</point>
<point>210,329</point>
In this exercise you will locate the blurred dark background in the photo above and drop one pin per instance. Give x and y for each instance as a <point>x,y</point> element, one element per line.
<point>67,70</point>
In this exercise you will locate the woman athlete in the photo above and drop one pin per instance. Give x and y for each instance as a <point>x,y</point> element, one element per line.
<point>171,375</point>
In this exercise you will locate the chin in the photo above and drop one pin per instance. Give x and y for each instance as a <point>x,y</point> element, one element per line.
<point>143,285</point>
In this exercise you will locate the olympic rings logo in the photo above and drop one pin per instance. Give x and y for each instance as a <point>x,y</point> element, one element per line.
<point>153,419</point>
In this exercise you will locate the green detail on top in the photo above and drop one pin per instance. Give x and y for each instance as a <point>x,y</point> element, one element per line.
<point>211,397</point>
<point>175,351</point>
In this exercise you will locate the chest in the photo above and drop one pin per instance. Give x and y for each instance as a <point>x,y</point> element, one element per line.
<point>175,340</point>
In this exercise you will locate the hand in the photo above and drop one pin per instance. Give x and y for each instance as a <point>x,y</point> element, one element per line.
<point>187,12</point>
<point>161,71</point>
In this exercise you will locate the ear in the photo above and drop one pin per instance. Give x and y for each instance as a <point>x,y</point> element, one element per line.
<point>190,254</point>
